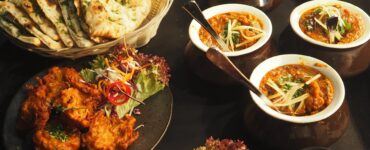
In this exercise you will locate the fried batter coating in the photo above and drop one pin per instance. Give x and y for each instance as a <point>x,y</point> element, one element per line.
<point>44,140</point>
<point>51,88</point>
<point>77,106</point>
<point>110,133</point>
<point>35,110</point>
<point>73,77</point>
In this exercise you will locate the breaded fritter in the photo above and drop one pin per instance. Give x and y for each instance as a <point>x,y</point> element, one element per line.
<point>35,110</point>
<point>110,133</point>
<point>61,86</point>
<point>77,106</point>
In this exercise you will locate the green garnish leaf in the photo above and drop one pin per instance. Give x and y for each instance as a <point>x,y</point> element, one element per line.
<point>342,31</point>
<point>299,80</point>
<point>298,93</point>
<point>148,82</point>
<point>286,87</point>
<point>88,75</point>
<point>226,31</point>
<point>57,110</point>
<point>283,79</point>
<point>60,108</point>
<point>98,62</point>
<point>317,11</point>
<point>347,25</point>
<point>236,38</point>
<point>57,132</point>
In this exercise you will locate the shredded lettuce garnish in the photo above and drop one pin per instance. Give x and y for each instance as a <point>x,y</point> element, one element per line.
<point>147,83</point>
<point>88,75</point>
<point>144,74</point>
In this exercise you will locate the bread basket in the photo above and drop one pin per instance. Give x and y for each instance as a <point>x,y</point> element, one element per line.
<point>138,38</point>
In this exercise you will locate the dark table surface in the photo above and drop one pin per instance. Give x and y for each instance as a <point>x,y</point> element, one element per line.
<point>201,109</point>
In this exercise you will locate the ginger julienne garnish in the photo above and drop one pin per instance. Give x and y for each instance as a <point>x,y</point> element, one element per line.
<point>297,90</point>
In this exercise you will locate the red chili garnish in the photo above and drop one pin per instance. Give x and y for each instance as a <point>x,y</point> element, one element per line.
<point>117,93</point>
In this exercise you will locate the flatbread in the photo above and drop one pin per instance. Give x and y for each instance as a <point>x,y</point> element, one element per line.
<point>15,32</point>
<point>29,25</point>
<point>53,13</point>
<point>73,24</point>
<point>35,13</point>
<point>111,19</point>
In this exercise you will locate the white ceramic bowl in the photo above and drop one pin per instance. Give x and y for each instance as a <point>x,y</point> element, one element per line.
<point>220,9</point>
<point>364,18</point>
<point>261,70</point>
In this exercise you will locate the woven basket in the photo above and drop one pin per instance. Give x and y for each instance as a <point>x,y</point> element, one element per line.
<point>137,38</point>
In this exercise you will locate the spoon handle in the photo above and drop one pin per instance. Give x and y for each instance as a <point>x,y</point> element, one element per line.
<point>225,64</point>
<point>193,9</point>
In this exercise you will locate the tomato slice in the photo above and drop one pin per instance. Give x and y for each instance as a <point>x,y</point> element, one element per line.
<point>117,93</point>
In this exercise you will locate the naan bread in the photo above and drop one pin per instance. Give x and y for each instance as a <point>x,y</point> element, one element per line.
<point>29,25</point>
<point>52,11</point>
<point>14,31</point>
<point>38,17</point>
<point>111,19</point>
<point>72,21</point>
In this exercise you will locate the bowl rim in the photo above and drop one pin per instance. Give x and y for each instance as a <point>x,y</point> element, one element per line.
<point>297,12</point>
<point>281,60</point>
<point>232,7</point>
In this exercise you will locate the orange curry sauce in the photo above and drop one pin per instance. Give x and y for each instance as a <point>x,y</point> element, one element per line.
<point>219,23</point>
<point>319,34</point>
<point>320,91</point>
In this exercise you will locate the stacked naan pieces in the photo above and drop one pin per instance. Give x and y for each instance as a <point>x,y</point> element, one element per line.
<point>63,24</point>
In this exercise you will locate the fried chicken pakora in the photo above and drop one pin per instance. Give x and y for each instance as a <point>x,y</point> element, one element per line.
<point>76,106</point>
<point>110,133</point>
<point>35,110</point>
<point>61,87</point>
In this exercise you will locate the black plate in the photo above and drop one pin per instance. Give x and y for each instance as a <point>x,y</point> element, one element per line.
<point>156,116</point>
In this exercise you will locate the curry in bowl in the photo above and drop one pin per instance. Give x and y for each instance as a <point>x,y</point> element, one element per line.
<point>239,30</point>
<point>297,90</point>
<point>332,24</point>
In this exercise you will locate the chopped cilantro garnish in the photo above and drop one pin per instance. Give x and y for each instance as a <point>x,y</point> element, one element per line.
<point>286,87</point>
<point>57,132</point>
<point>298,93</point>
<point>299,80</point>
<point>317,11</point>
<point>283,79</point>
<point>97,63</point>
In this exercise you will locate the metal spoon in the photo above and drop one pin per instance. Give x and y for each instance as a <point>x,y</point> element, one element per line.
<point>194,11</point>
<point>225,64</point>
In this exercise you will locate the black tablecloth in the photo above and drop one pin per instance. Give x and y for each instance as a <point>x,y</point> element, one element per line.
<point>201,109</point>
